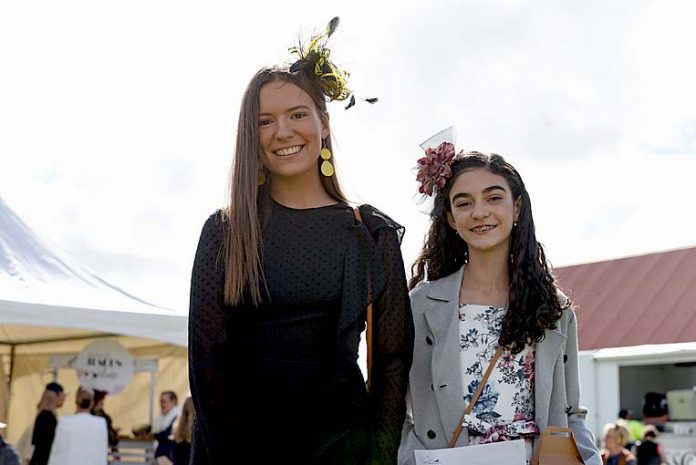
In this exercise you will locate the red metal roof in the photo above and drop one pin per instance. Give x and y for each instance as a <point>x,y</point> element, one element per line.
<point>648,299</point>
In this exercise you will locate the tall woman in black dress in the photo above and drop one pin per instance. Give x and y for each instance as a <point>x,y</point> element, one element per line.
<point>280,284</point>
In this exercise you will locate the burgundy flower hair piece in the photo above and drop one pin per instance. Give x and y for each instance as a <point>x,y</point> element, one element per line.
<point>434,168</point>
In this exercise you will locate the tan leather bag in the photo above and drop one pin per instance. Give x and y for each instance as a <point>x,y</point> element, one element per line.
<point>557,447</point>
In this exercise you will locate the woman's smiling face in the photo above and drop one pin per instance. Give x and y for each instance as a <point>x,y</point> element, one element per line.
<point>291,129</point>
<point>483,210</point>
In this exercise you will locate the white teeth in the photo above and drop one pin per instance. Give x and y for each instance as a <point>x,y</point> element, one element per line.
<point>483,228</point>
<point>288,151</point>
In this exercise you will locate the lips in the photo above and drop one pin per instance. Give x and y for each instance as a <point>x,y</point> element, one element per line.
<point>287,151</point>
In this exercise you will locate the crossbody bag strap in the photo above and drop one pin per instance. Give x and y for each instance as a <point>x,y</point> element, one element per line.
<point>368,315</point>
<point>474,398</point>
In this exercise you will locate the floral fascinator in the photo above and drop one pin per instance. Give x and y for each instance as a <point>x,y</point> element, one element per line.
<point>314,58</point>
<point>434,169</point>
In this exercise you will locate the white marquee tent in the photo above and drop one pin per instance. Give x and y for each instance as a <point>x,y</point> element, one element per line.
<point>51,305</point>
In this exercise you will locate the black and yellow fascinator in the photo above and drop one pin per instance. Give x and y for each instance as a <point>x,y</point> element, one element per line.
<point>314,59</point>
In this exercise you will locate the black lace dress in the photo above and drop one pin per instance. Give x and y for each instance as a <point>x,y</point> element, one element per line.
<point>280,382</point>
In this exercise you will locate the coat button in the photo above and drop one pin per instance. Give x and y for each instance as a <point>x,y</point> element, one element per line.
<point>431,434</point>
<point>428,340</point>
<point>565,358</point>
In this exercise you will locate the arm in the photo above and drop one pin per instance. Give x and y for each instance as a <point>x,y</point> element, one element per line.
<point>576,413</point>
<point>207,336</point>
<point>392,349</point>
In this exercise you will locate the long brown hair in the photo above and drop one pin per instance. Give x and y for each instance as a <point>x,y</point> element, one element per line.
<point>49,401</point>
<point>184,424</point>
<point>249,202</point>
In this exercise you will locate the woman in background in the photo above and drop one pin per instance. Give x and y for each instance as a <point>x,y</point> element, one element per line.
<point>616,437</point>
<point>183,430</point>
<point>44,428</point>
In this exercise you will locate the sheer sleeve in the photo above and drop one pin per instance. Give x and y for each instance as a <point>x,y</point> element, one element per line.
<point>207,336</point>
<point>392,346</point>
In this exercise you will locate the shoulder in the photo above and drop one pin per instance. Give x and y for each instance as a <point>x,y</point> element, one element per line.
<point>215,222</point>
<point>420,291</point>
<point>46,416</point>
<point>212,233</point>
<point>66,421</point>
<point>567,310</point>
<point>563,299</point>
<point>376,221</point>
<point>9,452</point>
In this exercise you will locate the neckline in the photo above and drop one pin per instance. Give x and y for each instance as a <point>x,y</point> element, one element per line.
<point>464,304</point>
<point>285,207</point>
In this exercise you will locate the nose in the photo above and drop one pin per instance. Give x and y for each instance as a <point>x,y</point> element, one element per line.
<point>479,211</point>
<point>285,128</point>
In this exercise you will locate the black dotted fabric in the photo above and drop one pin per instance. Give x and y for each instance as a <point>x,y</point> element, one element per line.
<point>285,374</point>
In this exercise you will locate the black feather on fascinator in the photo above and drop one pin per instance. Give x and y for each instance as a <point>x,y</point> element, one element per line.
<point>314,59</point>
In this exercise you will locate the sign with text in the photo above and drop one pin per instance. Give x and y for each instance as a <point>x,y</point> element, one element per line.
<point>104,365</point>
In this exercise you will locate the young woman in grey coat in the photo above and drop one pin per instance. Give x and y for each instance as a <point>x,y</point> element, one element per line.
<point>481,281</point>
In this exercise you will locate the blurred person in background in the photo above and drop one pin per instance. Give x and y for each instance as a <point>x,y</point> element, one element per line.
<point>634,427</point>
<point>615,452</point>
<point>183,430</point>
<point>8,454</point>
<point>44,428</point>
<point>98,411</point>
<point>163,427</point>
<point>81,439</point>
<point>649,452</point>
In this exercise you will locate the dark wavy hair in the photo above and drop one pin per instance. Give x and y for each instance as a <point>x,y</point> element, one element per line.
<point>533,301</point>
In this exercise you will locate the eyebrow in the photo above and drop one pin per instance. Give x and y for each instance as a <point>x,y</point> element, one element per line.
<point>290,110</point>
<point>485,191</point>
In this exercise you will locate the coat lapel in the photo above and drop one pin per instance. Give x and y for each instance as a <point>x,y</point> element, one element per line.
<point>442,318</point>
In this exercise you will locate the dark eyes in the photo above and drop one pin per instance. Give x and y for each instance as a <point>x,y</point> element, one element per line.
<point>296,115</point>
<point>468,203</point>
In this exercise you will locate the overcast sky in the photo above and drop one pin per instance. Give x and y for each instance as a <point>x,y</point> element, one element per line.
<point>118,119</point>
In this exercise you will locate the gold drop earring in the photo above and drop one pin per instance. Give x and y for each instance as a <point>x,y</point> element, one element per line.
<point>327,169</point>
<point>262,177</point>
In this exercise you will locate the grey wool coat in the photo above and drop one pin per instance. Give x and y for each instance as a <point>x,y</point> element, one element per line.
<point>435,384</point>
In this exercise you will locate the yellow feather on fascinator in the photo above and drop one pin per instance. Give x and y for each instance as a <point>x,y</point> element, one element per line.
<point>314,59</point>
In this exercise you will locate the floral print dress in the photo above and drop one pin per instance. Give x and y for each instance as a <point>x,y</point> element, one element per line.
<point>505,408</point>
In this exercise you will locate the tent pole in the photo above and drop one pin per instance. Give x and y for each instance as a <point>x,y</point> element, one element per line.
<point>153,379</point>
<point>10,378</point>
